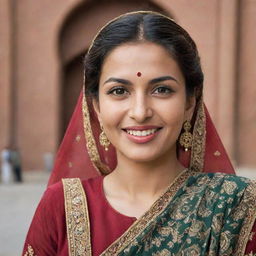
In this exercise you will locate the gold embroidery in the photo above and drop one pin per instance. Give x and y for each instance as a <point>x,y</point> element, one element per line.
<point>90,141</point>
<point>78,137</point>
<point>225,240</point>
<point>229,187</point>
<point>30,251</point>
<point>193,250</point>
<point>217,222</point>
<point>251,236</point>
<point>139,225</point>
<point>248,202</point>
<point>250,254</point>
<point>195,228</point>
<point>77,218</point>
<point>163,252</point>
<point>198,147</point>
<point>217,153</point>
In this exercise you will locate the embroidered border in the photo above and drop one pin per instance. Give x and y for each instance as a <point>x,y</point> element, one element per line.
<point>90,140</point>
<point>199,136</point>
<point>156,209</point>
<point>77,218</point>
<point>250,202</point>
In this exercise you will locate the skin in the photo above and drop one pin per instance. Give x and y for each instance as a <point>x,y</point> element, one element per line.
<point>144,171</point>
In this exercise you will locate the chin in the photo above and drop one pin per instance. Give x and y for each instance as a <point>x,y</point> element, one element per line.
<point>142,156</point>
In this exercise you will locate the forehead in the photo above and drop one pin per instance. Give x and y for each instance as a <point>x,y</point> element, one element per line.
<point>149,59</point>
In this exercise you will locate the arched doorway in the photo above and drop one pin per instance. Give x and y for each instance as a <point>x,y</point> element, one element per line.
<point>76,34</point>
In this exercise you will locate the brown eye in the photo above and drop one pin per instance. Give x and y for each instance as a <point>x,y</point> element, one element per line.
<point>162,90</point>
<point>118,91</point>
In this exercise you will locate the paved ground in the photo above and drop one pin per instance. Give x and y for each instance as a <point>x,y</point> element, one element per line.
<point>18,203</point>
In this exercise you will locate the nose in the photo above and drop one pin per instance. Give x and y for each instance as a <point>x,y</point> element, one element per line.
<point>140,108</point>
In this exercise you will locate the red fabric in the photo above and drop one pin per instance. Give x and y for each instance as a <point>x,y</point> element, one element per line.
<point>216,158</point>
<point>103,217</point>
<point>47,233</point>
<point>72,159</point>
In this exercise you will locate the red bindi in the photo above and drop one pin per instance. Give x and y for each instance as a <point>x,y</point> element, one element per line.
<point>139,74</point>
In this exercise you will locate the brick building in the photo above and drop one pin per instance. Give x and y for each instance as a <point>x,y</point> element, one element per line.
<point>41,48</point>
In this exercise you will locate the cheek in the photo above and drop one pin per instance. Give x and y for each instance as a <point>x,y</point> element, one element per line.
<point>111,113</point>
<point>172,111</point>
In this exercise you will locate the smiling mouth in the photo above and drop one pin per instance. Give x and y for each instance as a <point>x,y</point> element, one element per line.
<point>141,133</point>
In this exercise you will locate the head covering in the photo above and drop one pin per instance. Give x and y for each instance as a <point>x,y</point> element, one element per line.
<point>81,155</point>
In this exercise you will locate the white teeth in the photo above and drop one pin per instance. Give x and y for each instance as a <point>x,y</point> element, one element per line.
<point>141,133</point>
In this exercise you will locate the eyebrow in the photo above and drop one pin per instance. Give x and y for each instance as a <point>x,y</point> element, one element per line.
<point>152,81</point>
<point>161,79</point>
<point>118,80</point>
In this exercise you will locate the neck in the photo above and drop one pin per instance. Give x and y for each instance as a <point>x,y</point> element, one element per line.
<point>135,179</point>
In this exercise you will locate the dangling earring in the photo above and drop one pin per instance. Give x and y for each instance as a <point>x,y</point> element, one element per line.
<point>104,142</point>
<point>186,137</point>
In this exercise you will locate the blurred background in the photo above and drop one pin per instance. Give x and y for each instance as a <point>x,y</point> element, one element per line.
<point>42,44</point>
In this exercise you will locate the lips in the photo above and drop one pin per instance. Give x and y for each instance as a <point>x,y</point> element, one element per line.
<point>141,134</point>
<point>142,127</point>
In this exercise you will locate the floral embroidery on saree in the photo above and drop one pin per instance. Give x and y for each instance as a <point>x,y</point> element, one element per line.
<point>211,214</point>
<point>77,218</point>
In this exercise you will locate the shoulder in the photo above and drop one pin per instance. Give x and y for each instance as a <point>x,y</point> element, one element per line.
<point>52,196</point>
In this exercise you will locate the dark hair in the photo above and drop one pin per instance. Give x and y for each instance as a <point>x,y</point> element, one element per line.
<point>139,27</point>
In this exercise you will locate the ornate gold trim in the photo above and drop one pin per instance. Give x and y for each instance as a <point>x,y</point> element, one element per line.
<point>91,145</point>
<point>77,218</point>
<point>199,136</point>
<point>157,208</point>
<point>30,251</point>
<point>90,142</point>
<point>249,201</point>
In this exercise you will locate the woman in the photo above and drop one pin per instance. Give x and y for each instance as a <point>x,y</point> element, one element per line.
<point>143,121</point>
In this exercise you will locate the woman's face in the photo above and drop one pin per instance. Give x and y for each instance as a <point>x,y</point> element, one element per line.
<point>142,101</point>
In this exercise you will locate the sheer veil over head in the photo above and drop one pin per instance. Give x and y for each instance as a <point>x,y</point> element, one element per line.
<point>81,155</point>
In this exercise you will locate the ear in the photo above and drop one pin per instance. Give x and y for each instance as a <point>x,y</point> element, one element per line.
<point>96,106</point>
<point>190,107</point>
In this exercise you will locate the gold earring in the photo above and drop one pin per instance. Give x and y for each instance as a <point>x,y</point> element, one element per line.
<point>186,137</point>
<point>104,142</point>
